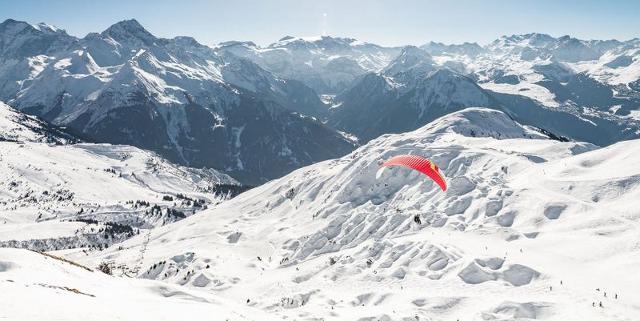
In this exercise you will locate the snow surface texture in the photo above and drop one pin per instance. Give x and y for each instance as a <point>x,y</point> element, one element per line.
<point>41,287</point>
<point>530,228</point>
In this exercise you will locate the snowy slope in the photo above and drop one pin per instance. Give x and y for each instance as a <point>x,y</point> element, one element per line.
<point>18,127</point>
<point>63,291</point>
<point>529,228</point>
<point>55,194</point>
<point>52,192</point>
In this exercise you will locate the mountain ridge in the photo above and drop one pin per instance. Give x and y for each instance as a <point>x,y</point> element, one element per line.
<point>102,84</point>
<point>124,85</point>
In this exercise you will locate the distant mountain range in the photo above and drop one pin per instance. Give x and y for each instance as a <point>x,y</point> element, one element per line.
<point>257,113</point>
<point>189,103</point>
<point>584,90</point>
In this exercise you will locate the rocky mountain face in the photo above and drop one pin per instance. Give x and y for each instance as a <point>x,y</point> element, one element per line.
<point>174,96</point>
<point>380,104</point>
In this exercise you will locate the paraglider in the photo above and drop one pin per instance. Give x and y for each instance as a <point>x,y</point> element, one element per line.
<point>420,164</point>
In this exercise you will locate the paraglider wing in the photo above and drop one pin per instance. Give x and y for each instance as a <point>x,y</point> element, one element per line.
<point>420,164</point>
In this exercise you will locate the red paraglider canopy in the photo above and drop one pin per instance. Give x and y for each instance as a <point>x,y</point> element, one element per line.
<point>420,164</point>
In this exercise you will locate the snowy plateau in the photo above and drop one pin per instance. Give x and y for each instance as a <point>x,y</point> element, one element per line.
<point>144,178</point>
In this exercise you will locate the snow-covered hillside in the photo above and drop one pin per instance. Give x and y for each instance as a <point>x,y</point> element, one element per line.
<point>530,228</point>
<point>35,287</point>
<point>56,195</point>
<point>18,127</point>
<point>52,192</point>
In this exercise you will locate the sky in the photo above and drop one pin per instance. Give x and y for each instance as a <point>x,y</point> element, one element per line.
<point>399,22</point>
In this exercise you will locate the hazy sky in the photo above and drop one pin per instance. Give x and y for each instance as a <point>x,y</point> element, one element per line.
<point>384,22</point>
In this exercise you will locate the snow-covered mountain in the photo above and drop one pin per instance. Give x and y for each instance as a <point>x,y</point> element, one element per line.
<point>58,195</point>
<point>530,228</point>
<point>379,103</point>
<point>326,64</point>
<point>593,77</point>
<point>237,106</point>
<point>538,222</point>
<point>580,83</point>
<point>417,87</point>
<point>174,96</point>
<point>467,48</point>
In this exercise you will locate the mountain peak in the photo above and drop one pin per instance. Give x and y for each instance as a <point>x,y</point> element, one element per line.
<point>413,51</point>
<point>410,58</point>
<point>128,30</point>
<point>481,122</point>
<point>14,26</point>
<point>533,39</point>
<point>10,21</point>
<point>465,48</point>
<point>232,43</point>
<point>187,41</point>
<point>130,24</point>
<point>45,27</point>
<point>285,38</point>
<point>323,42</point>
